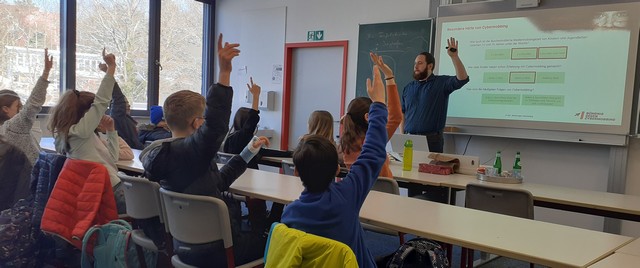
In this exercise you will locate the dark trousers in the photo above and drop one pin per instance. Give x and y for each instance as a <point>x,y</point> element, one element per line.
<point>433,193</point>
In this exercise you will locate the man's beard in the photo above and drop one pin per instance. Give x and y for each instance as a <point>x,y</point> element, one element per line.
<point>421,75</point>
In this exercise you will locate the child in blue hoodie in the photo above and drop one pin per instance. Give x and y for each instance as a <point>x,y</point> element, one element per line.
<point>331,209</point>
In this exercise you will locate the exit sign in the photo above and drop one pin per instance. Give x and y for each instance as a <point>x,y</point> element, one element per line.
<point>315,35</point>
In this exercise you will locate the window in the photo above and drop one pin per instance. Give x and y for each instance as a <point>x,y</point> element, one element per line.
<point>122,27</point>
<point>180,47</point>
<point>27,28</point>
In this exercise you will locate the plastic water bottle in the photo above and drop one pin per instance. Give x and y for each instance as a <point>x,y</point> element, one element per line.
<point>517,168</point>
<point>407,156</point>
<point>497,165</point>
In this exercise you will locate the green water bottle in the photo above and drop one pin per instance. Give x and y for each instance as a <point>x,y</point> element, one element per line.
<point>407,156</point>
<point>517,168</point>
<point>497,165</point>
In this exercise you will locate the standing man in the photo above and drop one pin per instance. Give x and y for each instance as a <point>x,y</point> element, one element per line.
<point>425,100</point>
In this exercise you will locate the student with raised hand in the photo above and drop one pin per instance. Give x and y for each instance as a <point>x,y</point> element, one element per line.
<point>331,209</point>
<point>355,122</point>
<point>121,114</point>
<point>74,122</point>
<point>244,124</point>
<point>16,121</point>
<point>184,162</point>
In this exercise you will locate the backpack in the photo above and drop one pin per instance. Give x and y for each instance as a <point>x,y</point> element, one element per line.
<point>113,247</point>
<point>17,239</point>
<point>419,252</point>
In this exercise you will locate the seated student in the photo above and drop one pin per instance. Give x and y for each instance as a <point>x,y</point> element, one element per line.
<point>73,124</point>
<point>157,129</point>
<point>15,172</point>
<point>121,114</point>
<point>16,121</point>
<point>107,124</point>
<point>355,121</point>
<point>321,123</point>
<point>331,209</point>
<point>185,163</point>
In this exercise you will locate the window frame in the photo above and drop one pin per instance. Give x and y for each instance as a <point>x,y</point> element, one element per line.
<point>67,62</point>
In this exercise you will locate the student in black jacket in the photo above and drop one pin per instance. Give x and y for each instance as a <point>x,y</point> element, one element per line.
<point>120,112</point>
<point>185,163</point>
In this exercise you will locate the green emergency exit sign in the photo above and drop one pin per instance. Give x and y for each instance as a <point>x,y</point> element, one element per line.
<point>315,35</point>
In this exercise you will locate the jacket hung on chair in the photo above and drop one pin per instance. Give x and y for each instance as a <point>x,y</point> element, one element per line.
<point>81,198</point>
<point>289,247</point>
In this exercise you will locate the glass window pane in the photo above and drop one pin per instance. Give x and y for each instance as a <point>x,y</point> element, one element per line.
<point>122,27</point>
<point>180,47</point>
<point>26,28</point>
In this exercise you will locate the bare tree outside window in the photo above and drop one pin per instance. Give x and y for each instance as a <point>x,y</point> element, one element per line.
<point>180,47</point>
<point>26,28</point>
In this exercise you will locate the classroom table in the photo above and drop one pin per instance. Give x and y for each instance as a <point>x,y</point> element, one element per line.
<point>618,260</point>
<point>632,248</point>
<point>533,241</point>
<point>133,166</point>
<point>613,205</point>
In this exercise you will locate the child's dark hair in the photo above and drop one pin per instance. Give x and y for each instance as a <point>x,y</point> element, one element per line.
<point>7,98</point>
<point>354,125</point>
<point>316,161</point>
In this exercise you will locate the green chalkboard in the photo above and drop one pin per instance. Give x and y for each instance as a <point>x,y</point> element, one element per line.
<point>398,42</point>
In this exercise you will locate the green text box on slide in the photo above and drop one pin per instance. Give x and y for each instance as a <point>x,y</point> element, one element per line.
<point>550,78</point>
<point>497,54</point>
<point>501,99</point>
<point>522,77</point>
<point>552,52</point>
<point>543,100</point>
<point>529,53</point>
<point>495,77</point>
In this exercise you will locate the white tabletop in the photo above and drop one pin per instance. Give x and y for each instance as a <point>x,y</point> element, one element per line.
<point>539,242</point>
<point>47,144</point>
<point>618,260</point>
<point>632,248</point>
<point>528,240</point>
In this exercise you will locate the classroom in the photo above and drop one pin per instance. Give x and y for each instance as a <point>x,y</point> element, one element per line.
<point>312,55</point>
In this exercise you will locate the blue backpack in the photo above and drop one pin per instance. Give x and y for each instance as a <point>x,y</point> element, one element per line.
<point>113,247</point>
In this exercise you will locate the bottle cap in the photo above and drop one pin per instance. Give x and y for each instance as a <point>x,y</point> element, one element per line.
<point>408,143</point>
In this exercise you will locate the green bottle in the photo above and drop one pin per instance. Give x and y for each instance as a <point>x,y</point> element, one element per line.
<point>407,156</point>
<point>498,164</point>
<point>517,169</point>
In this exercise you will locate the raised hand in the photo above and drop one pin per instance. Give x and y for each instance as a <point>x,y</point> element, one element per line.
<point>102,67</point>
<point>110,60</point>
<point>226,53</point>
<point>253,88</point>
<point>106,123</point>
<point>261,141</point>
<point>377,60</point>
<point>48,63</point>
<point>376,88</point>
<point>452,47</point>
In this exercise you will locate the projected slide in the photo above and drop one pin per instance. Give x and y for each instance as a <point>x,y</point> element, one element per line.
<point>534,69</point>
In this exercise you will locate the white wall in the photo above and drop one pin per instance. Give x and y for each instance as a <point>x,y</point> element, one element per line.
<point>339,20</point>
<point>567,164</point>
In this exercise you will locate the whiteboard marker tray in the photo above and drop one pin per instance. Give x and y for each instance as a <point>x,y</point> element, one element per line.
<point>510,180</point>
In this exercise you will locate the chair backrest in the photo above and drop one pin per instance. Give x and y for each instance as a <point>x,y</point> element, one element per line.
<point>142,197</point>
<point>196,219</point>
<point>386,185</point>
<point>223,158</point>
<point>287,167</point>
<point>288,247</point>
<point>512,202</point>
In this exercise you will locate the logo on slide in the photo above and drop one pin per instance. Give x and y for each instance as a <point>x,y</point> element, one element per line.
<point>593,116</point>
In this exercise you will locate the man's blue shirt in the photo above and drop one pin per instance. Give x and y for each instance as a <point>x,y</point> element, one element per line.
<point>424,103</point>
